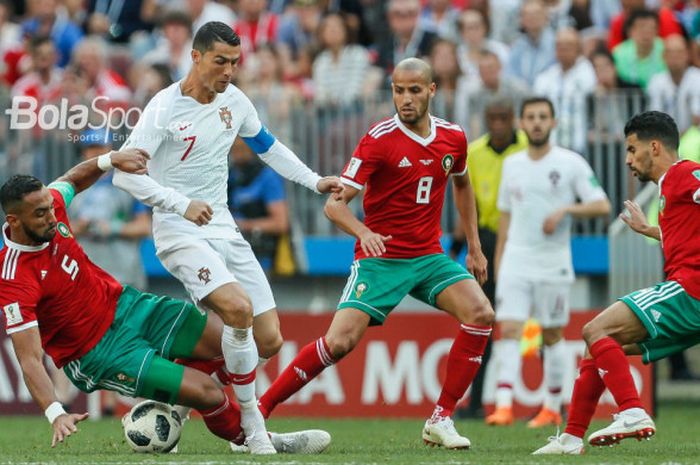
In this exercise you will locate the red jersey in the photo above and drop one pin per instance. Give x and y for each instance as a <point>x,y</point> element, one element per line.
<point>406,176</point>
<point>56,286</point>
<point>679,221</point>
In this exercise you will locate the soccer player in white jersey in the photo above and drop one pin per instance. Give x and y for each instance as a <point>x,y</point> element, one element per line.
<point>542,188</point>
<point>188,129</point>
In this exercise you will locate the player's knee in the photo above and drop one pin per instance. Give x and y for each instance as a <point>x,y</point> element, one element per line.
<point>341,345</point>
<point>482,313</point>
<point>591,332</point>
<point>237,312</point>
<point>207,395</point>
<point>551,336</point>
<point>269,345</point>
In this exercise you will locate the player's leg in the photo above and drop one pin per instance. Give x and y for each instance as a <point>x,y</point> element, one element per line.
<point>375,286</point>
<point>447,286</point>
<point>552,310</point>
<point>515,299</point>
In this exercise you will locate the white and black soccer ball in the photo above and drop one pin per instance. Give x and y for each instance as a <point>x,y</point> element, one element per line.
<point>152,426</point>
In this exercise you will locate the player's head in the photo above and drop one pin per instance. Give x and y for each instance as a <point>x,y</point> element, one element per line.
<point>28,206</point>
<point>649,136</point>
<point>537,120</point>
<point>412,86</point>
<point>216,49</point>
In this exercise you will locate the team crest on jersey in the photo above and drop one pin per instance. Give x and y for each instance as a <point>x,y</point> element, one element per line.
<point>225,115</point>
<point>448,161</point>
<point>63,230</point>
<point>125,379</point>
<point>662,204</point>
<point>204,275</point>
<point>360,289</point>
<point>554,177</point>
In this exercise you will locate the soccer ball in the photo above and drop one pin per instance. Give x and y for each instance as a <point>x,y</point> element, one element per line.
<point>152,427</point>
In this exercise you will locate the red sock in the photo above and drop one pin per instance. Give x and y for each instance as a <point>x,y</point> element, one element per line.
<point>463,363</point>
<point>310,361</point>
<point>224,420</point>
<point>587,391</point>
<point>614,368</point>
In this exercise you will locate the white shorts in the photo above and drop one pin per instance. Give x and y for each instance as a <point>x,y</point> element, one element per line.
<point>203,265</point>
<point>517,299</point>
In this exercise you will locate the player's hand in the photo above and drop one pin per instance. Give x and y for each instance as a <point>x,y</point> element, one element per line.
<point>64,426</point>
<point>373,244</point>
<point>477,265</point>
<point>131,161</point>
<point>330,184</point>
<point>634,217</point>
<point>552,221</point>
<point>199,212</point>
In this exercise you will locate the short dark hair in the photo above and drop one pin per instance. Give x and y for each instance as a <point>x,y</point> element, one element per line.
<point>38,41</point>
<point>535,100</point>
<point>636,15</point>
<point>211,32</point>
<point>176,17</point>
<point>654,125</point>
<point>14,190</point>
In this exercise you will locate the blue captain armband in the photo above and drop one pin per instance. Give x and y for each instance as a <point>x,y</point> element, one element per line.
<point>261,142</point>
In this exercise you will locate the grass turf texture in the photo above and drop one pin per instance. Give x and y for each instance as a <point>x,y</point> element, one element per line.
<point>26,440</point>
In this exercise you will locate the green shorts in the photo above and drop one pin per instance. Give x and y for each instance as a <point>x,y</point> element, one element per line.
<point>670,316</point>
<point>377,285</point>
<point>133,357</point>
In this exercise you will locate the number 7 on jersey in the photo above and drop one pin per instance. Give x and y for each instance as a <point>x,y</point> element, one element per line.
<point>189,147</point>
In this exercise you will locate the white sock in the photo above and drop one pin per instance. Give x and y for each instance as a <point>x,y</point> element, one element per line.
<point>554,357</point>
<point>262,361</point>
<point>508,363</point>
<point>241,357</point>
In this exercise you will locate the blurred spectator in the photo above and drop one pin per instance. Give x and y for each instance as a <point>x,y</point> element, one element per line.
<point>255,25</point>
<point>503,15</point>
<point>677,91</point>
<point>298,27</point>
<point>446,75</point>
<point>108,222</point>
<point>641,56</point>
<point>175,47</point>
<point>602,13</point>
<point>90,59</point>
<point>533,51</point>
<point>354,12</point>
<point>116,20</point>
<point>567,83</point>
<point>667,23</point>
<point>558,12</point>
<point>10,33</point>
<point>407,38</point>
<point>257,200</point>
<point>341,72</point>
<point>473,94</point>
<point>44,82</point>
<point>473,30</point>
<point>261,80</point>
<point>48,19</point>
<point>149,82</point>
<point>440,17</point>
<point>203,11</point>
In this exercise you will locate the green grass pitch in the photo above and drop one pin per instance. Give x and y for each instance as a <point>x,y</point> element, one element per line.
<point>25,440</point>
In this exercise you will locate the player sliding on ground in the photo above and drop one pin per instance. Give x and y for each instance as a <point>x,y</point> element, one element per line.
<point>103,334</point>
<point>405,163</point>
<point>654,322</point>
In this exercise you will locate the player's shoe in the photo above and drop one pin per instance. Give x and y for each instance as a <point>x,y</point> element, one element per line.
<point>546,417</point>
<point>630,423</point>
<point>440,431</point>
<point>502,416</point>
<point>253,424</point>
<point>564,444</point>
<point>313,441</point>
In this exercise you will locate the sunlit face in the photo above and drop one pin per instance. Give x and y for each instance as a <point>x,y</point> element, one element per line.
<point>567,48</point>
<point>218,65</point>
<point>537,121</point>
<point>35,216</point>
<point>638,157</point>
<point>412,94</point>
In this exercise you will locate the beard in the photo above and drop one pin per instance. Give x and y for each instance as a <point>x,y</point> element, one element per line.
<point>418,115</point>
<point>40,238</point>
<point>539,141</point>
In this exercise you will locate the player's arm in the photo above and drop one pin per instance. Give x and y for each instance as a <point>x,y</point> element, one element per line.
<point>501,238</point>
<point>85,174</point>
<point>635,218</point>
<point>466,206</point>
<point>337,210</point>
<point>27,347</point>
